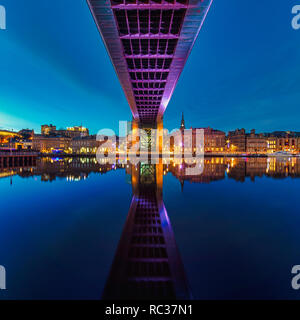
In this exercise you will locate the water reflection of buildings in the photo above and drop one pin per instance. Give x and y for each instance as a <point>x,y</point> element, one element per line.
<point>238,169</point>
<point>147,264</point>
<point>214,169</point>
<point>73,169</point>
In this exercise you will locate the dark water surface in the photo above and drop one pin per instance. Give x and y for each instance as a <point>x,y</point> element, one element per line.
<point>75,229</point>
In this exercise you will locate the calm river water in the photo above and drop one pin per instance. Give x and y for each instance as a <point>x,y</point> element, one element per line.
<point>75,229</point>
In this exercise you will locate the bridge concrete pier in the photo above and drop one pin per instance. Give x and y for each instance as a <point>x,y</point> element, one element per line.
<point>150,136</point>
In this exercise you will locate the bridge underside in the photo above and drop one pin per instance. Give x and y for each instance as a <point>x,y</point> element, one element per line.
<point>149,42</point>
<point>147,263</point>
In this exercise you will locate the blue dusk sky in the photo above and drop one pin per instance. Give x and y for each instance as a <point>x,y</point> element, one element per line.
<point>244,70</point>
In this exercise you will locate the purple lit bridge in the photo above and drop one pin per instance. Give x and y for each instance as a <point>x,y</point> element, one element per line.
<point>149,42</point>
<point>147,263</point>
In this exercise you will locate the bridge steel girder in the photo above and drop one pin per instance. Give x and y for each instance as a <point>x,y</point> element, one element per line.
<point>149,43</point>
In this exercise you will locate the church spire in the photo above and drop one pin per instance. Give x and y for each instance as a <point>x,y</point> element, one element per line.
<point>182,125</point>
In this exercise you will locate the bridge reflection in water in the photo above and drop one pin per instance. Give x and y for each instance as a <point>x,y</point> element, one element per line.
<point>147,264</point>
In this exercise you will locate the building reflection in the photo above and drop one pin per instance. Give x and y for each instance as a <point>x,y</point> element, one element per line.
<point>147,264</point>
<point>213,169</point>
<point>72,169</point>
<point>240,169</point>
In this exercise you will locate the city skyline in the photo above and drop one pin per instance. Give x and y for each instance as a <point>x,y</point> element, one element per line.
<point>78,140</point>
<point>238,89</point>
<point>178,126</point>
<point>149,151</point>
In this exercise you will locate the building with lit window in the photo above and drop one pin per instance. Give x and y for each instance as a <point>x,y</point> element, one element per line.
<point>16,140</point>
<point>85,145</point>
<point>256,143</point>
<point>71,132</point>
<point>50,144</point>
<point>6,136</point>
<point>237,140</point>
<point>78,131</point>
<point>287,141</point>
<point>271,144</point>
<point>48,129</point>
<point>214,140</point>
